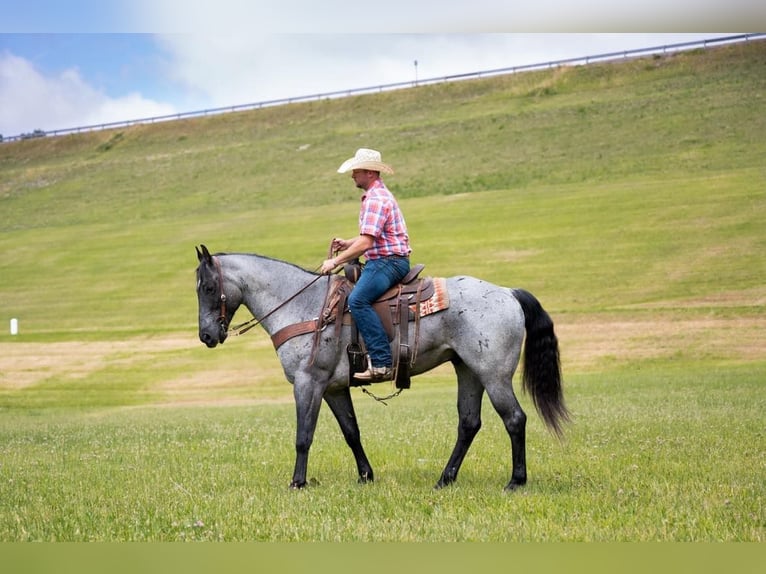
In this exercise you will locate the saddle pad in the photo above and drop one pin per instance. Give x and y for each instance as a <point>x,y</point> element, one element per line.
<point>438,302</point>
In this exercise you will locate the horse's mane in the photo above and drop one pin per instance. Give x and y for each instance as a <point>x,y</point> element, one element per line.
<point>259,256</point>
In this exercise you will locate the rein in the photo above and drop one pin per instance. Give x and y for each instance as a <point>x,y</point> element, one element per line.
<point>243,328</point>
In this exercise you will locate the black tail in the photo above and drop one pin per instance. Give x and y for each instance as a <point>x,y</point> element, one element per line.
<point>542,367</point>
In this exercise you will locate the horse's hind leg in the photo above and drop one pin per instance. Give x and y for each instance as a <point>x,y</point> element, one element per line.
<point>343,408</point>
<point>506,404</point>
<point>469,396</point>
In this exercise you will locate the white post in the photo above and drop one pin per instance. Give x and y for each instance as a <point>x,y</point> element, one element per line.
<point>14,326</point>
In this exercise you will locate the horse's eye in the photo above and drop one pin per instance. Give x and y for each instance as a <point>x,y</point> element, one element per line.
<point>205,288</point>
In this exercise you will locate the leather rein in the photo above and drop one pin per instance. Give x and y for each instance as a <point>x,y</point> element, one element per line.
<point>243,328</point>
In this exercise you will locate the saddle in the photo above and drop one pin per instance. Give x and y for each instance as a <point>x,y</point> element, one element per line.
<point>396,308</point>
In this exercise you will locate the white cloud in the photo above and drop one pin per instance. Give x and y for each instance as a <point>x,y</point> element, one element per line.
<point>420,16</point>
<point>29,100</point>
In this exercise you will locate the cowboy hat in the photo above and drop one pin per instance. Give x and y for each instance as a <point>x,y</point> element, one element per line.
<point>365,159</point>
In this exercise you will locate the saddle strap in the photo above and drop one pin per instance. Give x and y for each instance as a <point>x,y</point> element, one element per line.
<point>334,301</point>
<point>418,296</point>
<point>403,357</point>
<point>286,333</point>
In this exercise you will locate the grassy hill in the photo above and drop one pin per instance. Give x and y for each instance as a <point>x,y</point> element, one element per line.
<point>603,186</point>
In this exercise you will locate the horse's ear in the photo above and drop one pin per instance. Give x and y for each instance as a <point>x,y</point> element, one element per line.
<point>199,253</point>
<point>204,254</point>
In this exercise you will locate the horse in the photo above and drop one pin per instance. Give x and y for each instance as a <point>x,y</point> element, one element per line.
<point>480,333</point>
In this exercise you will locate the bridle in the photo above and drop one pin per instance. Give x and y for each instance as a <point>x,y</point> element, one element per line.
<point>222,317</point>
<point>243,328</point>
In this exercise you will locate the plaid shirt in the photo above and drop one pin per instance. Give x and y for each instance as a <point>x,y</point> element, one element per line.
<point>381,218</point>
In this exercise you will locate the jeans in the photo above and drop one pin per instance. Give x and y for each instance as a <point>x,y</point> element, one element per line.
<point>378,276</point>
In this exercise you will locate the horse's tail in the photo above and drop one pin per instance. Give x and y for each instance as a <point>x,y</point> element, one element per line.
<point>542,366</point>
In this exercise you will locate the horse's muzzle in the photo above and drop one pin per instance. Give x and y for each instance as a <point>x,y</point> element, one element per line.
<point>208,339</point>
<point>213,340</point>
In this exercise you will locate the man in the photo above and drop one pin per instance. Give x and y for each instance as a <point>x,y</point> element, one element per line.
<point>384,242</point>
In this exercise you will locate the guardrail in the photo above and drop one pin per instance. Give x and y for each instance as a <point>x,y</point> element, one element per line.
<point>584,60</point>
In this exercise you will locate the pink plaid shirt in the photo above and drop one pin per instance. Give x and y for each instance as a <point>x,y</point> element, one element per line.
<point>381,218</point>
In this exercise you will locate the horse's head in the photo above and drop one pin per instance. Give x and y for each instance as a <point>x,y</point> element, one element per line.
<point>216,298</point>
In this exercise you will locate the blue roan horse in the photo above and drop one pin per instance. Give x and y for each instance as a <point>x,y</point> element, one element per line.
<point>481,334</point>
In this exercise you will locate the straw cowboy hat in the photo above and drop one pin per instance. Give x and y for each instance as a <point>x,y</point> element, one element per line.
<point>365,159</point>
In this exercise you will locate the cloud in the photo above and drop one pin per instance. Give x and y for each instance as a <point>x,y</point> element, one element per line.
<point>30,100</point>
<point>328,16</point>
<point>408,16</point>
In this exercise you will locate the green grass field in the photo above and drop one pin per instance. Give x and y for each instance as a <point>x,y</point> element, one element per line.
<point>669,455</point>
<point>628,197</point>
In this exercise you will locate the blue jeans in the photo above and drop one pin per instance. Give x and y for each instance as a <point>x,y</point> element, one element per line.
<point>378,276</point>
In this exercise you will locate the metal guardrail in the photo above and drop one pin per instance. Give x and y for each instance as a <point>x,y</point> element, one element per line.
<point>584,60</point>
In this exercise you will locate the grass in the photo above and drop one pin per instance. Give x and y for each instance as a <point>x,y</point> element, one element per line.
<point>649,458</point>
<point>628,197</point>
<point>636,241</point>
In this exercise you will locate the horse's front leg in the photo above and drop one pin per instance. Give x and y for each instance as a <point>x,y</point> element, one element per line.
<point>308,398</point>
<point>343,408</point>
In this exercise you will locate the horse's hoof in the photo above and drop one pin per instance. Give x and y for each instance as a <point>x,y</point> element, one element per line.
<point>365,479</point>
<point>300,484</point>
<point>514,485</point>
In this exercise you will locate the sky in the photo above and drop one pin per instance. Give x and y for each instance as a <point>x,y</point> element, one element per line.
<point>85,62</point>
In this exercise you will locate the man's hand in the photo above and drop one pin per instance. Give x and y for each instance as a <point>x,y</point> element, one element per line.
<point>328,266</point>
<point>339,244</point>
<point>351,248</point>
